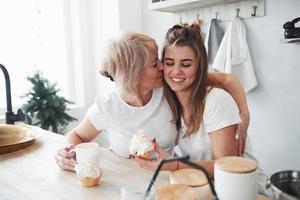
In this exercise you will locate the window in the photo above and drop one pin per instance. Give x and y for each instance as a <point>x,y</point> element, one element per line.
<point>35,35</point>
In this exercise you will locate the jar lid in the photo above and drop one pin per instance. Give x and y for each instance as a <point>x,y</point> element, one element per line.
<point>175,192</point>
<point>188,176</point>
<point>236,164</point>
<point>261,197</point>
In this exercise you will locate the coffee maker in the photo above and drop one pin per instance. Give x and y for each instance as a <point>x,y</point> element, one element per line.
<point>290,30</point>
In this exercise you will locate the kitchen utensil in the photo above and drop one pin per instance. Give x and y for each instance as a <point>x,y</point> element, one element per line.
<point>285,185</point>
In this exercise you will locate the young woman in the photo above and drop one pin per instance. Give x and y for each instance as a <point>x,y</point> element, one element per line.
<point>206,117</point>
<point>138,103</point>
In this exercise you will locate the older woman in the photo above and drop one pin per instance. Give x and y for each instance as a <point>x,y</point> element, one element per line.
<point>138,102</point>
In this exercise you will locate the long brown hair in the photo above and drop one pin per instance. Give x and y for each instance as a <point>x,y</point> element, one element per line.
<point>190,36</point>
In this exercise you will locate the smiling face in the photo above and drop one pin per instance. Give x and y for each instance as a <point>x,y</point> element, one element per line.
<point>151,75</point>
<point>180,68</point>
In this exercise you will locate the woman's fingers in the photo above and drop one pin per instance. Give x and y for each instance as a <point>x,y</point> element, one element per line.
<point>64,159</point>
<point>71,146</point>
<point>146,164</point>
<point>243,142</point>
<point>64,163</point>
<point>241,137</point>
<point>242,131</point>
<point>66,154</point>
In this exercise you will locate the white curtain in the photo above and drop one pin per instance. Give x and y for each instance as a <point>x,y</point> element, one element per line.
<point>35,35</point>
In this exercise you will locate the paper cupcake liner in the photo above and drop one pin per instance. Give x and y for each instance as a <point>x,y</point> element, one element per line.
<point>90,181</point>
<point>147,155</point>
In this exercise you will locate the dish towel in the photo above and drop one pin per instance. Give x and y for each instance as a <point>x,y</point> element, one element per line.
<point>214,39</point>
<point>234,57</point>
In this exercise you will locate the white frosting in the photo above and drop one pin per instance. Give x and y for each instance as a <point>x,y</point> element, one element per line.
<point>87,169</point>
<point>140,144</point>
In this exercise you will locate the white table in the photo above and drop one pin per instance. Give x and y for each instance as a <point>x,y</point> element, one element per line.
<point>32,173</point>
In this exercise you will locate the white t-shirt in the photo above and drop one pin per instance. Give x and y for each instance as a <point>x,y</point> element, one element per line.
<point>120,121</point>
<point>220,111</point>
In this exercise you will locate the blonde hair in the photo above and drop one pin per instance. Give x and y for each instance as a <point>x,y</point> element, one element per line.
<point>125,58</point>
<point>190,36</point>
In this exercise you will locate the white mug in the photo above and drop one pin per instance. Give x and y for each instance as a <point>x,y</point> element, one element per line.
<point>87,152</point>
<point>235,186</point>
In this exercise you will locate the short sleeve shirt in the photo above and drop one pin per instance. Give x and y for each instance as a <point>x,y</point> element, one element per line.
<point>120,121</point>
<point>220,111</point>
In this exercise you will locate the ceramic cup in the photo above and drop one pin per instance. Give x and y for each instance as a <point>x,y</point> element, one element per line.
<point>87,152</point>
<point>235,185</point>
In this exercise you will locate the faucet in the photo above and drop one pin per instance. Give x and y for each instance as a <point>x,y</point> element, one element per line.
<point>10,117</point>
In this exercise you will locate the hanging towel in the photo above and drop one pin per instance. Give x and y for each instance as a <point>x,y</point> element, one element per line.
<point>214,39</point>
<point>234,57</point>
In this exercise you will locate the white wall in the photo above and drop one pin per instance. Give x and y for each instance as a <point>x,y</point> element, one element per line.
<point>130,15</point>
<point>274,107</point>
<point>156,23</point>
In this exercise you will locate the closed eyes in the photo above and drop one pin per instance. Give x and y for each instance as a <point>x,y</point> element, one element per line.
<point>183,64</point>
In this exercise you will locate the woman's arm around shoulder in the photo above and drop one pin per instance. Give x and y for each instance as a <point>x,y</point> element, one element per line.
<point>233,86</point>
<point>223,144</point>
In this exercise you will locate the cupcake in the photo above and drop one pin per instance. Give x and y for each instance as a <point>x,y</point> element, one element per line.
<point>141,146</point>
<point>88,173</point>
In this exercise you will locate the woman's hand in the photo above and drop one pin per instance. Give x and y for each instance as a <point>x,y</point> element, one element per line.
<point>241,132</point>
<point>65,158</point>
<point>152,164</point>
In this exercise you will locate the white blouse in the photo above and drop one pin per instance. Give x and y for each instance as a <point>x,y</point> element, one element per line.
<point>120,121</point>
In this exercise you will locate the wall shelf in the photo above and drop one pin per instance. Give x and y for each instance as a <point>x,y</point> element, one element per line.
<point>182,5</point>
<point>290,40</point>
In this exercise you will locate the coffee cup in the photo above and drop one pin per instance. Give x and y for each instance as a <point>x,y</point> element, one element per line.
<point>235,178</point>
<point>87,152</point>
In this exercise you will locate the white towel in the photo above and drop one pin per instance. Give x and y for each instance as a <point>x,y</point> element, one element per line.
<point>234,57</point>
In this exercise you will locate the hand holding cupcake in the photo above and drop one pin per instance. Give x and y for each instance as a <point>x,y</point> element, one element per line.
<point>141,146</point>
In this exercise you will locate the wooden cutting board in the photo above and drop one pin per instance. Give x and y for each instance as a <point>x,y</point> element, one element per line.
<point>261,197</point>
<point>204,192</point>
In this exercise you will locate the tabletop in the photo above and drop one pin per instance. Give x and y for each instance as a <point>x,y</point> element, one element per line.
<point>32,173</point>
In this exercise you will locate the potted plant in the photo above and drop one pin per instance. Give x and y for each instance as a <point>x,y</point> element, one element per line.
<point>44,107</point>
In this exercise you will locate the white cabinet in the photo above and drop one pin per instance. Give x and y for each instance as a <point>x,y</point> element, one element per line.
<point>181,5</point>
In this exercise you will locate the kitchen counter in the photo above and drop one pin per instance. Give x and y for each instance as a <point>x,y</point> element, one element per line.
<point>32,173</point>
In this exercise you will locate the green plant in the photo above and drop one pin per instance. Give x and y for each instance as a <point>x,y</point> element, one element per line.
<point>44,106</point>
